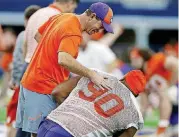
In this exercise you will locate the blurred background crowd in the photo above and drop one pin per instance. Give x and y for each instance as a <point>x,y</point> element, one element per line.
<point>150,25</point>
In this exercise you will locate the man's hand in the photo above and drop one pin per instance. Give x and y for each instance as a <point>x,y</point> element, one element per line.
<point>62,91</point>
<point>13,85</point>
<point>109,39</point>
<point>99,80</point>
<point>130,132</point>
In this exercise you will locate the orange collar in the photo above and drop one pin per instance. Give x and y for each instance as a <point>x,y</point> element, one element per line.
<point>55,7</point>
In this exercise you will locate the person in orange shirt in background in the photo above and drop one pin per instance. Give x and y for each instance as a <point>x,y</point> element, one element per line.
<point>161,73</point>
<point>7,47</point>
<point>1,37</point>
<point>59,39</point>
<point>16,75</point>
<point>171,49</point>
<point>1,45</point>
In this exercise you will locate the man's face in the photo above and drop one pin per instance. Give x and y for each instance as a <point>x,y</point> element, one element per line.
<point>71,6</point>
<point>137,62</point>
<point>93,25</point>
<point>171,53</point>
<point>9,39</point>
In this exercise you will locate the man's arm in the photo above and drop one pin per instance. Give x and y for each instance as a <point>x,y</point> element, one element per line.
<point>109,39</point>
<point>130,132</point>
<point>144,101</point>
<point>171,63</point>
<point>61,92</point>
<point>25,48</point>
<point>109,59</point>
<point>38,37</point>
<point>17,63</point>
<point>68,62</point>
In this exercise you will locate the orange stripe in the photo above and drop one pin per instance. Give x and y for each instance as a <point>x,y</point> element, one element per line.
<point>109,16</point>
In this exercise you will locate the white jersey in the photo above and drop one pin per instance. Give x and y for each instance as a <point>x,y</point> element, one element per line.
<point>96,56</point>
<point>90,112</point>
<point>34,23</point>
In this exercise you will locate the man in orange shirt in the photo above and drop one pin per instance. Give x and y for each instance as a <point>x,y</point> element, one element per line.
<point>7,47</point>
<point>59,39</point>
<point>161,72</point>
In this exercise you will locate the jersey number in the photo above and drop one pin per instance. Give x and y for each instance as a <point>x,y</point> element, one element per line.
<point>99,103</point>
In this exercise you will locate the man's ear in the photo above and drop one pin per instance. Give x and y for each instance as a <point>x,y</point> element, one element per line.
<point>93,15</point>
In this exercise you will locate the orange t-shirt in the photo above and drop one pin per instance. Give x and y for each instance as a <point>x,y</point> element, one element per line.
<point>6,58</point>
<point>60,33</point>
<point>156,66</point>
<point>6,61</point>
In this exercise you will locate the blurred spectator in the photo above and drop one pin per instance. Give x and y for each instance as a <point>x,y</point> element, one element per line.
<point>9,39</point>
<point>161,72</point>
<point>16,75</point>
<point>1,45</point>
<point>1,37</point>
<point>97,54</point>
<point>18,58</point>
<point>171,49</point>
<point>121,69</point>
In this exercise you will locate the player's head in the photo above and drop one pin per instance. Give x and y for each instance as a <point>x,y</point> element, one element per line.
<point>139,56</point>
<point>135,81</point>
<point>68,6</point>
<point>29,11</point>
<point>171,49</point>
<point>9,37</point>
<point>100,17</point>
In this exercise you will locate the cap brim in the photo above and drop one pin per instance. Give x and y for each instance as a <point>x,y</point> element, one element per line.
<point>107,27</point>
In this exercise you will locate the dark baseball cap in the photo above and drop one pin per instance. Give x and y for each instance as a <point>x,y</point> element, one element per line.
<point>104,13</point>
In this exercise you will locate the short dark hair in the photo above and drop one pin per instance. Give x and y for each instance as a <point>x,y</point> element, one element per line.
<point>29,11</point>
<point>146,54</point>
<point>89,12</point>
<point>63,1</point>
<point>77,1</point>
<point>11,30</point>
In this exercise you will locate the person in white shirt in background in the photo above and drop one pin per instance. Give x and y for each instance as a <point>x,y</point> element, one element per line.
<point>171,49</point>
<point>97,54</point>
<point>39,18</point>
